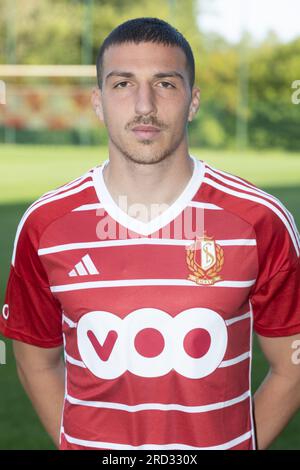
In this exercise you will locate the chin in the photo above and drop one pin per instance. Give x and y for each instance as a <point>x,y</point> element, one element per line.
<point>146,158</point>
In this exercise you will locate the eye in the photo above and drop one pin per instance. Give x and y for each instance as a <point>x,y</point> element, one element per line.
<point>169,85</point>
<point>121,83</point>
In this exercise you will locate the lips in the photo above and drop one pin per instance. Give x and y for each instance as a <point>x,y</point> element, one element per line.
<point>146,129</point>
<point>146,132</point>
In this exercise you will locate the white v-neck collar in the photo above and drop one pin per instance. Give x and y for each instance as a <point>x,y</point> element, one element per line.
<point>146,228</point>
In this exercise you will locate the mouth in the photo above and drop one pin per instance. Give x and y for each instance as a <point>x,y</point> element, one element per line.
<point>146,132</point>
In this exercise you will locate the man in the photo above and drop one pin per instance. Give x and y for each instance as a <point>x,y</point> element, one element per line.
<point>150,272</point>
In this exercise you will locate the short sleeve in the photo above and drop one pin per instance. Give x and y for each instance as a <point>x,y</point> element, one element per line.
<point>30,312</point>
<point>276,296</point>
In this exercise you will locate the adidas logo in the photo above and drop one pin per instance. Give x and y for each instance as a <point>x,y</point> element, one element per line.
<point>84,267</point>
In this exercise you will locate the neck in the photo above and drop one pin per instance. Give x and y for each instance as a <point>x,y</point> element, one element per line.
<point>154,186</point>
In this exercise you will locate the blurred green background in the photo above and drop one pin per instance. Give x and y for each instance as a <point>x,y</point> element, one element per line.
<point>247,124</point>
<point>246,86</point>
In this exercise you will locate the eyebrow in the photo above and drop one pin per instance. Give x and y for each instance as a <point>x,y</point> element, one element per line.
<point>120,73</point>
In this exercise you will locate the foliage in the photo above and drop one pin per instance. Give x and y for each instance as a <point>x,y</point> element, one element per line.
<point>57,32</point>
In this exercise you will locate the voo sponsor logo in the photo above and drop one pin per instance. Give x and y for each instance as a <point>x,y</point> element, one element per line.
<point>150,343</point>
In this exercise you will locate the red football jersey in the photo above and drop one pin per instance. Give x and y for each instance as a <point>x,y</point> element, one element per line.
<point>156,318</point>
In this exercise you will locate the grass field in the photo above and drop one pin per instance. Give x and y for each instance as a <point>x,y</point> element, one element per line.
<point>29,171</point>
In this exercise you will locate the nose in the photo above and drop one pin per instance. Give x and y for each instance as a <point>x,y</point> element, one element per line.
<point>145,100</point>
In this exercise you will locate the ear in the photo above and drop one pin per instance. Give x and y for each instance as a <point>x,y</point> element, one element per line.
<point>195,103</point>
<point>96,100</point>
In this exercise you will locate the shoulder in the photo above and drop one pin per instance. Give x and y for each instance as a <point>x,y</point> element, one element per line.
<point>271,220</point>
<point>49,207</point>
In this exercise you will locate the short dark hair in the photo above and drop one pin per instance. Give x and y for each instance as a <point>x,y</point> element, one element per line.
<point>147,29</point>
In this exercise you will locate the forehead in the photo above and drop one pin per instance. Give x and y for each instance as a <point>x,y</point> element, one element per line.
<point>146,56</point>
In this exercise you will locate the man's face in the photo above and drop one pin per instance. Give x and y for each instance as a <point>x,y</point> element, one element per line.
<point>146,85</point>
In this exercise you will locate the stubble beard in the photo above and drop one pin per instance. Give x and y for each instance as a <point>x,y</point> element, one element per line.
<point>157,156</point>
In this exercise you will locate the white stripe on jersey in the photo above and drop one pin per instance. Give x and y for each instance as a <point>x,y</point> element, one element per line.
<point>204,205</point>
<point>235,360</point>
<point>140,241</point>
<point>255,190</point>
<point>41,203</point>
<point>227,363</point>
<point>260,201</point>
<point>69,322</point>
<point>237,178</point>
<point>160,406</point>
<point>74,361</point>
<point>264,193</point>
<point>235,319</point>
<point>89,207</point>
<point>67,186</point>
<point>114,445</point>
<point>147,282</point>
<point>237,241</point>
<point>288,216</point>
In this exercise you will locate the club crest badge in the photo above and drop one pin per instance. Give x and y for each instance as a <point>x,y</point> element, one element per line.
<point>205,259</point>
